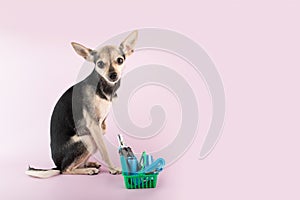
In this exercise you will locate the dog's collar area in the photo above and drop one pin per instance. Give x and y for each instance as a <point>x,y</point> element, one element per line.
<point>103,88</point>
<point>107,90</point>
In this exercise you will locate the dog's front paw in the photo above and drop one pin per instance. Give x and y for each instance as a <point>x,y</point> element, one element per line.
<point>115,170</point>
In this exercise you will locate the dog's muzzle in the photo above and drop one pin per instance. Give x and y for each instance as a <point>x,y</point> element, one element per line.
<point>113,76</point>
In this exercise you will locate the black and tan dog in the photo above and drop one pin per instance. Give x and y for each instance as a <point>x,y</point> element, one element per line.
<point>78,119</point>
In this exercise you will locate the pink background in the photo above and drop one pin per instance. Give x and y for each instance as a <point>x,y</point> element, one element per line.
<point>255,46</point>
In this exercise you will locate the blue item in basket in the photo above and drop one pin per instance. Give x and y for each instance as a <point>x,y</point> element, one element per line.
<point>132,164</point>
<point>156,166</point>
<point>149,160</point>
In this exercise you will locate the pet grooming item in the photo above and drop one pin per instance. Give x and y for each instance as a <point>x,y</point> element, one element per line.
<point>155,167</point>
<point>132,164</point>
<point>145,160</point>
<point>129,162</point>
<point>142,174</point>
<point>141,162</point>
<point>121,142</point>
<point>149,160</point>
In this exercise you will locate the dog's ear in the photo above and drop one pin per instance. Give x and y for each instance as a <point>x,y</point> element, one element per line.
<point>127,46</point>
<point>83,51</point>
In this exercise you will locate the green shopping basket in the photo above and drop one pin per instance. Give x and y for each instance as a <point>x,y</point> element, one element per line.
<point>140,181</point>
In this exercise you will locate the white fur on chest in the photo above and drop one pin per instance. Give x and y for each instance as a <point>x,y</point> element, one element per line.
<point>102,107</point>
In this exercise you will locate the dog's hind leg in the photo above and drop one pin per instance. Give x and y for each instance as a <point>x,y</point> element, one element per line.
<point>76,157</point>
<point>92,164</point>
<point>75,167</point>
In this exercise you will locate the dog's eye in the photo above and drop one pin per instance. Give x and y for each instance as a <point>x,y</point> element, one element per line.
<point>120,61</point>
<point>100,64</point>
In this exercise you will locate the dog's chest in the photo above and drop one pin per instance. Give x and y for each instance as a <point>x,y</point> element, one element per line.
<point>102,107</point>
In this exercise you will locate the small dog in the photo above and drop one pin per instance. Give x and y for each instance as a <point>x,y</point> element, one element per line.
<point>78,120</point>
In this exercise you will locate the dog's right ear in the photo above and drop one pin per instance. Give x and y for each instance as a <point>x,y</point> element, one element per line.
<point>83,51</point>
<point>127,46</point>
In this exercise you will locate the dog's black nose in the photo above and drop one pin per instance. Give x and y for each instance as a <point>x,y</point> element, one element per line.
<point>113,76</point>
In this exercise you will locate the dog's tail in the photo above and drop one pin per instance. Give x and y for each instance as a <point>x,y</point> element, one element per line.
<point>42,173</point>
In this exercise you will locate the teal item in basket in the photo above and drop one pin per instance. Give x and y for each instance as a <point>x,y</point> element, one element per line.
<point>145,160</point>
<point>129,165</point>
<point>125,168</point>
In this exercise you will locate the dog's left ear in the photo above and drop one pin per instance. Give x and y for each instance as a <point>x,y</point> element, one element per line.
<point>127,46</point>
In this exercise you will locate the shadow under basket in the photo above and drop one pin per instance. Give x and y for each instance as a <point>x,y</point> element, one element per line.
<point>140,181</point>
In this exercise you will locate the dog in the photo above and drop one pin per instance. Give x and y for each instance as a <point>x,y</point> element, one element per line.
<point>78,119</point>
